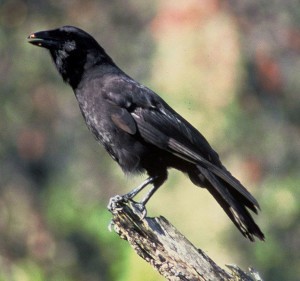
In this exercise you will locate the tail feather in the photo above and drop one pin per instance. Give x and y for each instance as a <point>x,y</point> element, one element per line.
<point>239,216</point>
<point>235,205</point>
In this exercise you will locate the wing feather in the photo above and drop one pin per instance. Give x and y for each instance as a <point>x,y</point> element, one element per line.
<point>161,126</point>
<point>184,148</point>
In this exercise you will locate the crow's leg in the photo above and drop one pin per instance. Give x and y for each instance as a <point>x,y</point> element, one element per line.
<point>134,192</point>
<point>139,207</point>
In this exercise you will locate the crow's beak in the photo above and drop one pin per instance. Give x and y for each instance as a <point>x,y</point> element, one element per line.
<point>34,40</point>
<point>43,39</point>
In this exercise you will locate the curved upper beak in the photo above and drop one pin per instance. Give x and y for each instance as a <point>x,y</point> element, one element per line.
<point>34,40</point>
<point>43,39</point>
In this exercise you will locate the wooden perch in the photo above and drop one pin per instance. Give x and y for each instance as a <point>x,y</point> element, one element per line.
<point>159,243</point>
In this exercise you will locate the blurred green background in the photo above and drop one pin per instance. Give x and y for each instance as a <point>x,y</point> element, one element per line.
<point>230,67</point>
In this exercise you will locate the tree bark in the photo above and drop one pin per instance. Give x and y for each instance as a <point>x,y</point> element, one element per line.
<point>159,243</point>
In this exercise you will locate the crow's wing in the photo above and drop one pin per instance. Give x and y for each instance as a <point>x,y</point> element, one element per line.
<point>160,125</point>
<point>181,139</point>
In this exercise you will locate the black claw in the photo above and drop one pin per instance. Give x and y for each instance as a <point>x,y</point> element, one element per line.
<point>117,202</point>
<point>114,203</point>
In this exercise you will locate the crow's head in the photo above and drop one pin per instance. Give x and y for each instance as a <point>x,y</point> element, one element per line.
<point>72,49</point>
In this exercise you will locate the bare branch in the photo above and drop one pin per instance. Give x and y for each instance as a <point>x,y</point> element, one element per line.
<point>165,248</point>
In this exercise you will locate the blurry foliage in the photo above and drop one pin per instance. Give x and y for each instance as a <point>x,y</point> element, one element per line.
<point>230,67</point>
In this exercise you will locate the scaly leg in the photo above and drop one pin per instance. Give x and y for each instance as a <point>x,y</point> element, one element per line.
<point>138,189</point>
<point>138,207</point>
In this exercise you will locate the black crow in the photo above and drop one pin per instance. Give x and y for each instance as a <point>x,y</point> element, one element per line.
<point>139,129</point>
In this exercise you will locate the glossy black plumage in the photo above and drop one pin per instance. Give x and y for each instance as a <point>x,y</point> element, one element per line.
<point>139,129</point>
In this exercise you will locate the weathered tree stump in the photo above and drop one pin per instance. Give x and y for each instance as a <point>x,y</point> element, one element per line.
<point>159,243</point>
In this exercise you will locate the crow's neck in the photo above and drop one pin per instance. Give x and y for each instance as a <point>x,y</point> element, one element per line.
<point>73,67</point>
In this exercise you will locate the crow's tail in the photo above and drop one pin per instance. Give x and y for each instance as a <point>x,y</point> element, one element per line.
<point>235,201</point>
